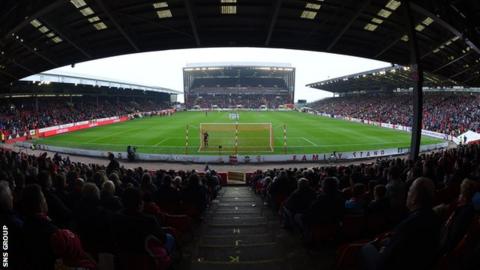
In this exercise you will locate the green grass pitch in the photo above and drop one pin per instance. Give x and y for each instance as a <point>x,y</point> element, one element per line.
<point>305,134</point>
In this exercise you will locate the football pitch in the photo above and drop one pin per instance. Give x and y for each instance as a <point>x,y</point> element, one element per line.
<point>305,134</point>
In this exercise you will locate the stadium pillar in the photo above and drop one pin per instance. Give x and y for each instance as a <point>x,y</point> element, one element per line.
<point>416,71</point>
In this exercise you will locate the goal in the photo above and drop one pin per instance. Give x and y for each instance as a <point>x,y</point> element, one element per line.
<point>236,137</point>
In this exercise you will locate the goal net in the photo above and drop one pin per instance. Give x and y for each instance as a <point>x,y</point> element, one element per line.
<point>236,137</point>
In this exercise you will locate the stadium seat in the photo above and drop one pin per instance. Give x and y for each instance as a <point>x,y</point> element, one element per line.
<point>347,193</point>
<point>376,224</point>
<point>156,257</point>
<point>182,223</point>
<point>347,256</point>
<point>353,227</point>
<point>324,232</point>
<point>454,259</point>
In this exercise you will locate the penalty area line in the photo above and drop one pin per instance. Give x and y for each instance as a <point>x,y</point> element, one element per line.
<point>307,140</point>
<point>161,141</point>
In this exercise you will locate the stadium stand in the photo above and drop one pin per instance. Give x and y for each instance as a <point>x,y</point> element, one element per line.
<point>79,212</point>
<point>232,85</point>
<point>431,219</point>
<point>431,223</point>
<point>21,116</point>
<point>441,112</point>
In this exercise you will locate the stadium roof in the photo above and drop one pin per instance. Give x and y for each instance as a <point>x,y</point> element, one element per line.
<point>92,81</point>
<point>382,79</point>
<point>238,64</point>
<point>40,35</point>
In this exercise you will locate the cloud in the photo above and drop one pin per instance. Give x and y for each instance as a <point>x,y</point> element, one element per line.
<point>164,68</point>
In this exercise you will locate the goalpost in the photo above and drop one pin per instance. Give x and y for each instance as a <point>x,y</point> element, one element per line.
<point>236,137</point>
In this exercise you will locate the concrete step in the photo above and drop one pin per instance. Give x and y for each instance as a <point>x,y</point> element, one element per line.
<point>238,199</point>
<point>239,253</point>
<point>239,224</point>
<point>252,265</point>
<point>235,231</point>
<point>231,240</point>
<point>237,219</point>
<point>239,203</point>
<point>232,210</point>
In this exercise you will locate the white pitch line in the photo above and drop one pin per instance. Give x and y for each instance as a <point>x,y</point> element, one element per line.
<point>164,139</point>
<point>307,140</point>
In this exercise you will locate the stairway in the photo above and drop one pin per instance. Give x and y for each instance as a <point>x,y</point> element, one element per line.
<point>240,233</point>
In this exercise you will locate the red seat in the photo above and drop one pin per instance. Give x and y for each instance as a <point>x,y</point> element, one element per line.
<point>135,261</point>
<point>347,256</point>
<point>353,226</point>
<point>182,223</point>
<point>453,260</point>
<point>376,224</point>
<point>324,232</point>
<point>347,193</point>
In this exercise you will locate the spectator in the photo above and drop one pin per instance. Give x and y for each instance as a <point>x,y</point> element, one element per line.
<point>109,200</point>
<point>396,189</point>
<point>328,207</point>
<point>58,211</point>
<point>415,238</point>
<point>113,166</point>
<point>133,227</point>
<point>37,231</point>
<point>380,204</point>
<point>462,217</point>
<point>298,202</point>
<point>356,204</point>
<point>12,221</point>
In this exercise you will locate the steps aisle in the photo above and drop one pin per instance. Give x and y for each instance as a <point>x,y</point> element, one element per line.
<point>240,233</point>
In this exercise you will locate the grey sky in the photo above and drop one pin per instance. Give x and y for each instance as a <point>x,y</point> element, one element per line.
<point>164,68</point>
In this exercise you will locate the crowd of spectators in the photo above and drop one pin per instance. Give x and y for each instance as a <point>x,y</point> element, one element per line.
<point>234,100</point>
<point>60,212</point>
<point>448,113</point>
<point>431,209</point>
<point>21,116</point>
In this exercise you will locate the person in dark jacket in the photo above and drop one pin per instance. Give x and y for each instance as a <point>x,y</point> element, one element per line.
<point>380,204</point>
<point>462,217</point>
<point>37,230</point>
<point>109,200</point>
<point>133,227</point>
<point>113,165</point>
<point>195,194</point>
<point>93,222</point>
<point>12,221</point>
<point>327,208</point>
<point>414,242</point>
<point>298,202</point>
<point>58,210</point>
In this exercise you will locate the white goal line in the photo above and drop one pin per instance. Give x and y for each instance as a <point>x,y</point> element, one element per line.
<point>235,123</point>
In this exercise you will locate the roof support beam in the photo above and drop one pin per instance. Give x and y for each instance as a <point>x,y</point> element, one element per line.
<point>273,21</point>
<point>8,74</point>
<point>193,22</point>
<point>41,12</point>
<point>349,24</point>
<point>445,25</point>
<point>112,19</point>
<point>476,76</point>
<point>386,49</point>
<point>64,37</point>
<point>23,67</point>
<point>417,75</point>
<point>451,62</point>
<point>463,71</point>
<point>50,61</point>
